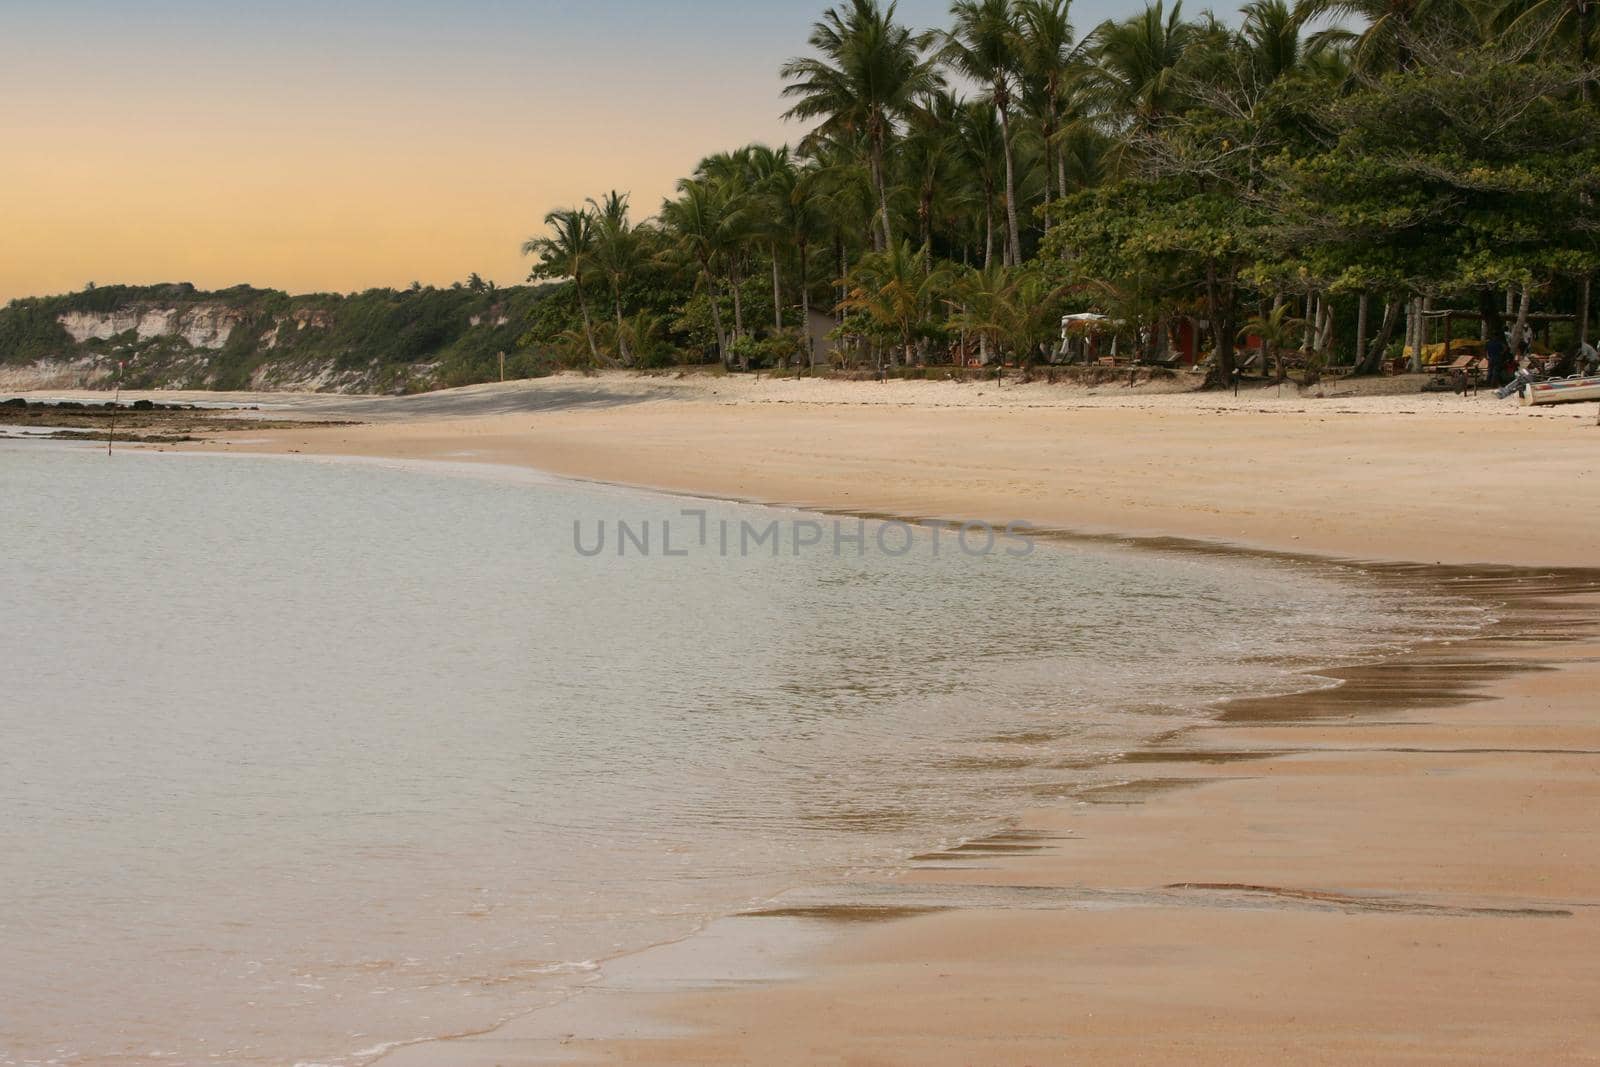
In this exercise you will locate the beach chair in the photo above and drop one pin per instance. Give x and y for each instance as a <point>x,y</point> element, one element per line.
<point>1462,374</point>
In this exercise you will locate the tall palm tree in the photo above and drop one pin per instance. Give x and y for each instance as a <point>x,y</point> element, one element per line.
<point>568,252</point>
<point>866,79</point>
<point>775,177</point>
<point>793,218</point>
<point>840,181</point>
<point>700,221</point>
<point>985,44</point>
<point>982,149</point>
<point>1048,62</point>
<point>929,158</point>
<point>616,253</point>
<point>735,176</point>
<point>1138,63</point>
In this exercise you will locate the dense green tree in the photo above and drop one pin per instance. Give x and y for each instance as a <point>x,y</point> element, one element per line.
<point>1466,173</point>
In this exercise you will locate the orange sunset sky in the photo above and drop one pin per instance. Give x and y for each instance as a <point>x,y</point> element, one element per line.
<point>352,143</point>
<point>337,146</point>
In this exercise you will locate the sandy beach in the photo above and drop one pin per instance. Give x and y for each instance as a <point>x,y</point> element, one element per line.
<point>1398,870</point>
<point>1425,478</point>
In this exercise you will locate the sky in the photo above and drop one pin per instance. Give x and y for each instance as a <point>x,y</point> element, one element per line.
<point>344,144</point>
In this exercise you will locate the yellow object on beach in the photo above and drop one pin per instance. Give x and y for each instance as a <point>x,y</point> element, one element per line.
<point>1434,353</point>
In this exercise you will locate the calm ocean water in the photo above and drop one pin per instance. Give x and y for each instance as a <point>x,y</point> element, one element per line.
<point>302,759</point>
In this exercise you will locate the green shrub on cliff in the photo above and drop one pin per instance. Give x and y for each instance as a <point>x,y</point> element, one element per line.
<point>380,338</point>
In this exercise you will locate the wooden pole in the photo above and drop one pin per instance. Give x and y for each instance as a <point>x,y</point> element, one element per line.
<point>116,399</point>
<point>502,366</point>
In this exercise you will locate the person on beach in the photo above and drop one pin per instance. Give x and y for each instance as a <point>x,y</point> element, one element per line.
<point>1588,359</point>
<point>1495,349</point>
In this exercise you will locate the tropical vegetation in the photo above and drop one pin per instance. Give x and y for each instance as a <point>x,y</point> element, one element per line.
<point>1297,178</point>
<point>1300,181</point>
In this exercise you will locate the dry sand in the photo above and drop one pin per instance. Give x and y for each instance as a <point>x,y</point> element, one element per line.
<point>1400,870</point>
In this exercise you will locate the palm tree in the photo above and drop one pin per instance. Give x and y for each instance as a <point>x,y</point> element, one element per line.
<point>980,142</point>
<point>735,177</point>
<point>1385,42</point>
<point>930,158</point>
<point>1138,62</point>
<point>567,252</point>
<point>700,221</point>
<point>1571,21</point>
<point>793,217</point>
<point>1016,306</point>
<point>1277,330</point>
<point>1271,35</point>
<point>1048,62</point>
<point>979,300</point>
<point>775,177</point>
<point>1033,312</point>
<point>866,81</point>
<point>896,290</point>
<point>616,253</point>
<point>840,181</point>
<point>985,45</point>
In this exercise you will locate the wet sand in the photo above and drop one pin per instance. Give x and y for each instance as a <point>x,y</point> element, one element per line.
<point>1397,870</point>
<point>1401,869</point>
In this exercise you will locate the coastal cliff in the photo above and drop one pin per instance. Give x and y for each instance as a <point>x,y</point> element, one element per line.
<point>179,337</point>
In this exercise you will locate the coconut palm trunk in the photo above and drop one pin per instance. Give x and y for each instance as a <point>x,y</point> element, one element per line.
<point>988,234</point>
<point>844,272</point>
<point>622,336</point>
<point>805,305</point>
<point>716,312</point>
<point>925,212</point>
<point>881,239</point>
<point>805,286</point>
<point>1013,240</point>
<point>1049,177</point>
<point>777,291</point>
<point>588,326</point>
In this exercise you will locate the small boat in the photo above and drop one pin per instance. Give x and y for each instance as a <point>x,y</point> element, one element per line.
<point>1561,390</point>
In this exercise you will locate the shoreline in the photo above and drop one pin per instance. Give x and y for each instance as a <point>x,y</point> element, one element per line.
<point>688,1000</point>
<point>1426,478</point>
<point>1189,904</point>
